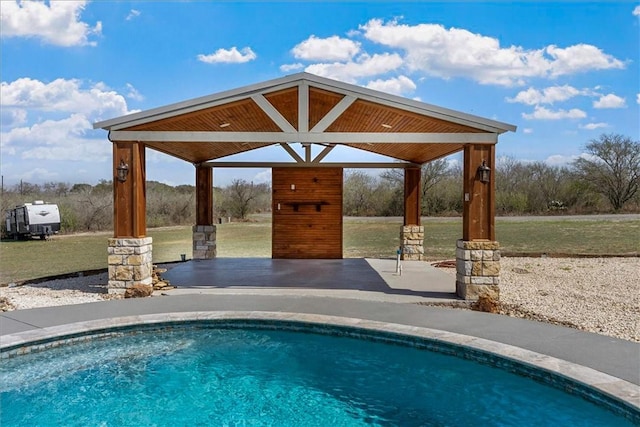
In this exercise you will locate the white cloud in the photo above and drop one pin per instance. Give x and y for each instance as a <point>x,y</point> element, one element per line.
<point>609,101</point>
<point>133,93</point>
<point>57,23</point>
<point>331,48</point>
<point>455,52</point>
<point>593,126</point>
<point>638,98</point>
<point>396,85</point>
<point>10,117</point>
<point>636,11</point>
<point>548,95</point>
<point>559,160</point>
<point>580,58</point>
<point>39,174</point>
<point>562,160</point>
<point>64,139</point>
<point>527,130</point>
<point>363,66</point>
<point>229,56</point>
<point>285,68</point>
<point>63,95</point>
<point>132,14</point>
<point>541,113</point>
<point>262,177</point>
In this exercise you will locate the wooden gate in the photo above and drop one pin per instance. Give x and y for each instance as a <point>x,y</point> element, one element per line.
<point>307,213</point>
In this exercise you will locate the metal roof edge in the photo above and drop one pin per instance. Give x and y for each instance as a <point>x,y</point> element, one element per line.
<point>384,97</point>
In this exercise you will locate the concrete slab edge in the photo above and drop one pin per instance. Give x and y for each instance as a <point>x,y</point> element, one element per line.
<point>609,386</point>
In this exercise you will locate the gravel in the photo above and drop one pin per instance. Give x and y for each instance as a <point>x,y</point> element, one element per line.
<point>600,295</point>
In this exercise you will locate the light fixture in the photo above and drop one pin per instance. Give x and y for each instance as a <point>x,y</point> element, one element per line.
<point>386,126</point>
<point>122,171</point>
<point>484,172</point>
<point>224,125</point>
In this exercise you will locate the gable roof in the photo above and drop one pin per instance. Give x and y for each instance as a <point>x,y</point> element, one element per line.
<point>303,108</point>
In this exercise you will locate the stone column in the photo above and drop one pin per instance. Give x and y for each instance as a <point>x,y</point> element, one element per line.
<point>130,263</point>
<point>412,242</point>
<point>204,241</point>
<point>478,269</point>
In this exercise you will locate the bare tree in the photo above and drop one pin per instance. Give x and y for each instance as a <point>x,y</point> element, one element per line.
<point>612,167</point>
<point>359,188</point>
<point>240,195</point>
<point>431,174</point>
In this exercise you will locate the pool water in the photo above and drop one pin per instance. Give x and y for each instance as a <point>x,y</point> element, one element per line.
<point>262,377</point>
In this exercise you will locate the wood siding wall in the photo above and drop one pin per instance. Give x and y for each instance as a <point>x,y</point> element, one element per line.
<point>307,221</point>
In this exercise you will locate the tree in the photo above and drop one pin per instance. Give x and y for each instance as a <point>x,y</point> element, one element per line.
<point>611,167</point>
<point>240,195</point>
<point>430,175</point>
<point>359,188</point>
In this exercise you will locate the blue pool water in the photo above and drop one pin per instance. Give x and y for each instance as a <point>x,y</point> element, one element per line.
<point>212,376</point>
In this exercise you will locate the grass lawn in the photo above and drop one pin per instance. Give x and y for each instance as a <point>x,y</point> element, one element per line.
<point>363,237</point>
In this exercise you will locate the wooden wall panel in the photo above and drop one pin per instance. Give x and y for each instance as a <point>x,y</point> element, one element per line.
<point>307,221</point>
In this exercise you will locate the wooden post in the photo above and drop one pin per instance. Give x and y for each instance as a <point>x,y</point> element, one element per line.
<point>478,215</point>
<point>412,233</point>
<point>204,195</point>
<point>204,232</point>
<point>130,253</point>
<point>129,197</point>
<point>412,196</point>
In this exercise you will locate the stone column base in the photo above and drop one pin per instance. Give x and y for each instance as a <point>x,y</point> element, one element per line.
<point>130,263</point>
<point>477,269</point>
<point>204,241</point>
<point>412,242</point>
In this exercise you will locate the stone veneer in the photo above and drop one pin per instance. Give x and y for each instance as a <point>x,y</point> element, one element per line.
<point>412,242</point>
<point>478,269</point>
<point>204,241</point>
<point>130,263</point>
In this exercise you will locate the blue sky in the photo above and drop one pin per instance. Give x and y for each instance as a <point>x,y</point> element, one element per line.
<point>563,72</point>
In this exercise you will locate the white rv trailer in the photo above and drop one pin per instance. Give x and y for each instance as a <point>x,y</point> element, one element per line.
<point>33,219</point>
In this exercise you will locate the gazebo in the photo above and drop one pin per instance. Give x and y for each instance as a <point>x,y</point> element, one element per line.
<point>307,192</point>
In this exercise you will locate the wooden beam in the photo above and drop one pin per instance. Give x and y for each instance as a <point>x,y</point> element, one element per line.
<point>303,107</point>
<point>412,196</point>
<point>478,215</point>
<point>347,165</point>
<point>273,114</point>
<point>324,153</point>
<point>305,137</point>
<point>292,152</point>
<point>335,112</point>
<point>129,197</point>
<point>204,195</point>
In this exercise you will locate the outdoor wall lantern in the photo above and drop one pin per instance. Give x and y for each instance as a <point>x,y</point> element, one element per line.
<point>122,171</point>
<point>484,172</point>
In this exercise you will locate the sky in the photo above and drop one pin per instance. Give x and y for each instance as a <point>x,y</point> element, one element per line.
<point>563,72</point>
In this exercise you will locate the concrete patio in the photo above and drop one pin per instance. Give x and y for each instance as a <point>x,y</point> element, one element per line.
<point>374,279</point>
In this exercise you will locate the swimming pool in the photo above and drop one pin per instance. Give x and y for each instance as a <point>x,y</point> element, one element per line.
<point>268,372</point>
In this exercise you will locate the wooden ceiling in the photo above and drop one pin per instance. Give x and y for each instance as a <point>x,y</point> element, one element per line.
<point>243,114</point>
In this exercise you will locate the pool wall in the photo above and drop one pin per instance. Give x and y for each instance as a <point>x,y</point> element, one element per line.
<point>617,395</point>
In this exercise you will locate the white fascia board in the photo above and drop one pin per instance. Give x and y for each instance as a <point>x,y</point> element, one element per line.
<point>293,80</point>
<point>199,103</point>
<point>421,108</point>
<point>326,137</point>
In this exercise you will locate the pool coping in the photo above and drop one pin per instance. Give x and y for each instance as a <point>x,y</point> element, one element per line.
<point>618,389</point>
